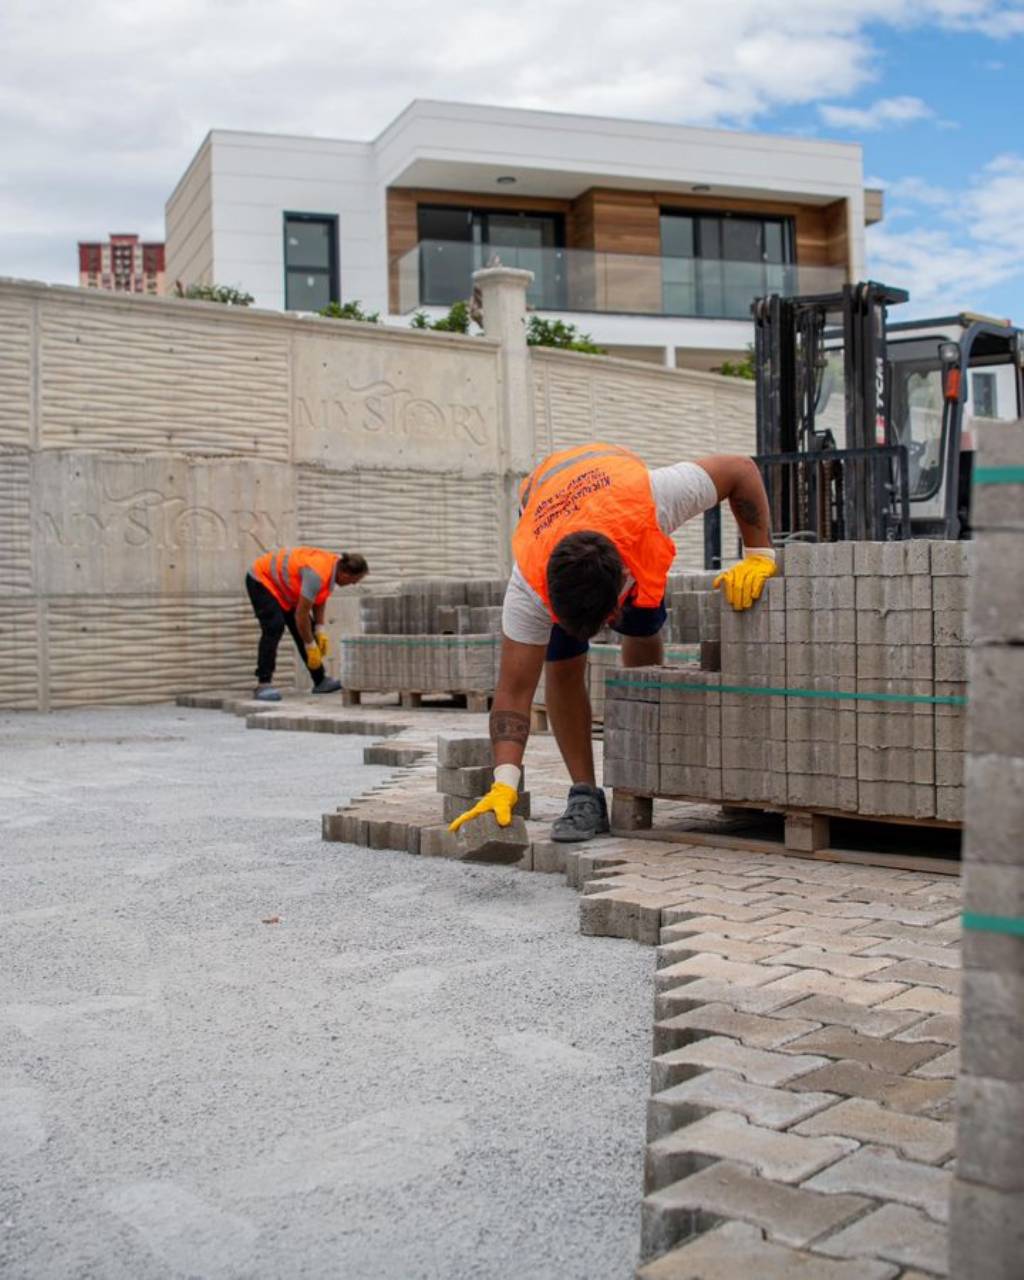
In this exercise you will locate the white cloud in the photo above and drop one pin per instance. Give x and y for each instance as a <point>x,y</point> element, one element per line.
<point>976,243</point>
<point>886,111</point>
<point>102,103</point>
<point>917,191</point>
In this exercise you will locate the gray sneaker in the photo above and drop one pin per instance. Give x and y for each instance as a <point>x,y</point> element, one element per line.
<point>266,693</point>
<point>586,815</point>
<point>327,685</point>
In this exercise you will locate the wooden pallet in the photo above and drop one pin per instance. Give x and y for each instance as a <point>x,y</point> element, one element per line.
<point>829,835</point>
<point>471,699</point>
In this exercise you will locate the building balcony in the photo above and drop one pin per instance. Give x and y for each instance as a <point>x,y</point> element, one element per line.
<point>440,272</point>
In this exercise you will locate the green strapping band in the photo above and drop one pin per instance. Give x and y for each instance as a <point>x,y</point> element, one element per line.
<point>1012,925</point>
<point>834,695</point>
<point>999,475</point>
<point>420,642</point>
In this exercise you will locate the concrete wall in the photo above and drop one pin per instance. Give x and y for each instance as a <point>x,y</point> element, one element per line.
<point>151,448</point>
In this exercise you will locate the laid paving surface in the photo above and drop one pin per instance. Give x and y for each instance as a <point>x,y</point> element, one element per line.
<point>806,1023</point>
<point>420,1070</point>
<point>799,1105</point>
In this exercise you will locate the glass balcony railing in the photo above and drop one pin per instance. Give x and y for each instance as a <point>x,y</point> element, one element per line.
<point>440,272</point>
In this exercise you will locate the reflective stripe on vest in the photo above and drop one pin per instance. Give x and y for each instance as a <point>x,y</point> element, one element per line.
<point>601,488</point>
<point>281,573</point>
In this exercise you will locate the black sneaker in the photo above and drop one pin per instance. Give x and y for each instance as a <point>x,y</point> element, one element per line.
<point>586,815</point>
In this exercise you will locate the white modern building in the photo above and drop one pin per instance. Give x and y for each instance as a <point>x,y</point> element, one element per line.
<point>653,238</point>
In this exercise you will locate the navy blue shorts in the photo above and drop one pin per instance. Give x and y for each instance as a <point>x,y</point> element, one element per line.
<point>632,621</point>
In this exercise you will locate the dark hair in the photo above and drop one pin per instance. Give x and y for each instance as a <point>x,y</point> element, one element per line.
<point>353,562</point>
<point>584,581</point>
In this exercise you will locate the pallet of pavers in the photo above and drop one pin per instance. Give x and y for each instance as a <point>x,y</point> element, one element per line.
<point>432,636</point>
<point>842,693</point>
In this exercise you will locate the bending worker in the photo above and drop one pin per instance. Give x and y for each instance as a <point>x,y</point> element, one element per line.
<point>289,588</point>
<point>592,548</point>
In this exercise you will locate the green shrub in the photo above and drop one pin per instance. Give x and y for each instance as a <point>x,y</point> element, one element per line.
<point>222,293</point>
<point>556,333</point>
<point>349,311</point>
<point>739,368</point>
<point>456,321</point>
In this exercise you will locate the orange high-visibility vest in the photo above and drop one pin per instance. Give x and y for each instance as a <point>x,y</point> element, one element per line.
<point>598,487</point>
<point>281,573</point>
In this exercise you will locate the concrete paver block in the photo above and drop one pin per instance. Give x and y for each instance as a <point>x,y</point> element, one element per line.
<point>712,966</point>
<point>876,1172</point>
<point>917,1137</point>
<point>790,1215</point>
<point>853,990</point>
<point>895,1233</point>
<point>738,1249</point>
<point>459,753</point>
<point>720,1019</point>
<point>855,1080</point>
<point>782,1157</point>
<point>881,1055</point>
<point>869,1021</point>
<point>760,1066</point>
<point>723,1091</point>
<point>923,1000</point>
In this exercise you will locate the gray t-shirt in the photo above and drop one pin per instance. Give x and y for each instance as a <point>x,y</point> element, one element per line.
<point>681,492</point>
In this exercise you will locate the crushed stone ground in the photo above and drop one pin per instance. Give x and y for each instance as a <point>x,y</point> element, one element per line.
<point>422,1070</point>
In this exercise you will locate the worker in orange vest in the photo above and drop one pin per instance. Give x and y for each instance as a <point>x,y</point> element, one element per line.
<point>593,548</point>
<point>289,588</point>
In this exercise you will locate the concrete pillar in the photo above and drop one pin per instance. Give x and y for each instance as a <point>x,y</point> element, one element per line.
<point>670,357</point>
<point>987,1217</point>
<point>503,305</point>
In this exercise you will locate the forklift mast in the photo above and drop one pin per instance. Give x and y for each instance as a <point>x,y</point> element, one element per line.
<point>816,489</point>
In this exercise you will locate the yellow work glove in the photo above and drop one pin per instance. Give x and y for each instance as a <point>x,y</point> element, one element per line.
<point>324,642</point>
<point>500,801</point>
<point>744,582</point>
<point>314,659</point>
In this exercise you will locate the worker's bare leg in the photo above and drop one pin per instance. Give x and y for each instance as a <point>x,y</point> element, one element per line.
<point>569,715</point>
<point>643,651</point>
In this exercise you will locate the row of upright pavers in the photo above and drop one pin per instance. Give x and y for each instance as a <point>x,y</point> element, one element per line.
<point>883,623</point>
<point>987,1225</point>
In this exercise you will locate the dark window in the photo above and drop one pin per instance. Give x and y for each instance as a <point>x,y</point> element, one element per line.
<point>310,261</point>
<point>717,264</point>
<point>457,242</point>
<point>983,395</point>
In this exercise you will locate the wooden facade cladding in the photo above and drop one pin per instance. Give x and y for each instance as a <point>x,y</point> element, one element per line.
<point>615,221</point>
<point>403,230</point>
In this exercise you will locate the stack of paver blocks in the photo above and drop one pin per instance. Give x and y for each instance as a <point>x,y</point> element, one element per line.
<point>465,773</point>
<point>685,594</point>
<point>753,730</point>
<point>820,733</point>
<point>432,635</point>
<point>987,1223</point>
<point>883,624</point>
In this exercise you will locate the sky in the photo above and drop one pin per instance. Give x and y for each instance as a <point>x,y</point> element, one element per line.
<point>104,102</point>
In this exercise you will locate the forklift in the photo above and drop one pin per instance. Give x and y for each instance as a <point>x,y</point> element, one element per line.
<point>865,428</point>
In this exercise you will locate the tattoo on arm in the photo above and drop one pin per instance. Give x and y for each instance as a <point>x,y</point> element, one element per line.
<point>747,511</point>
<point>509,726</point>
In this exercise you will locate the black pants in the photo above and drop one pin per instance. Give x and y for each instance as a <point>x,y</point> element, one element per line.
<point>273,620</point>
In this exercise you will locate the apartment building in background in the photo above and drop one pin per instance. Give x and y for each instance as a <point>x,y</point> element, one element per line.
<point>653,238</point>
<point>122,264</point>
